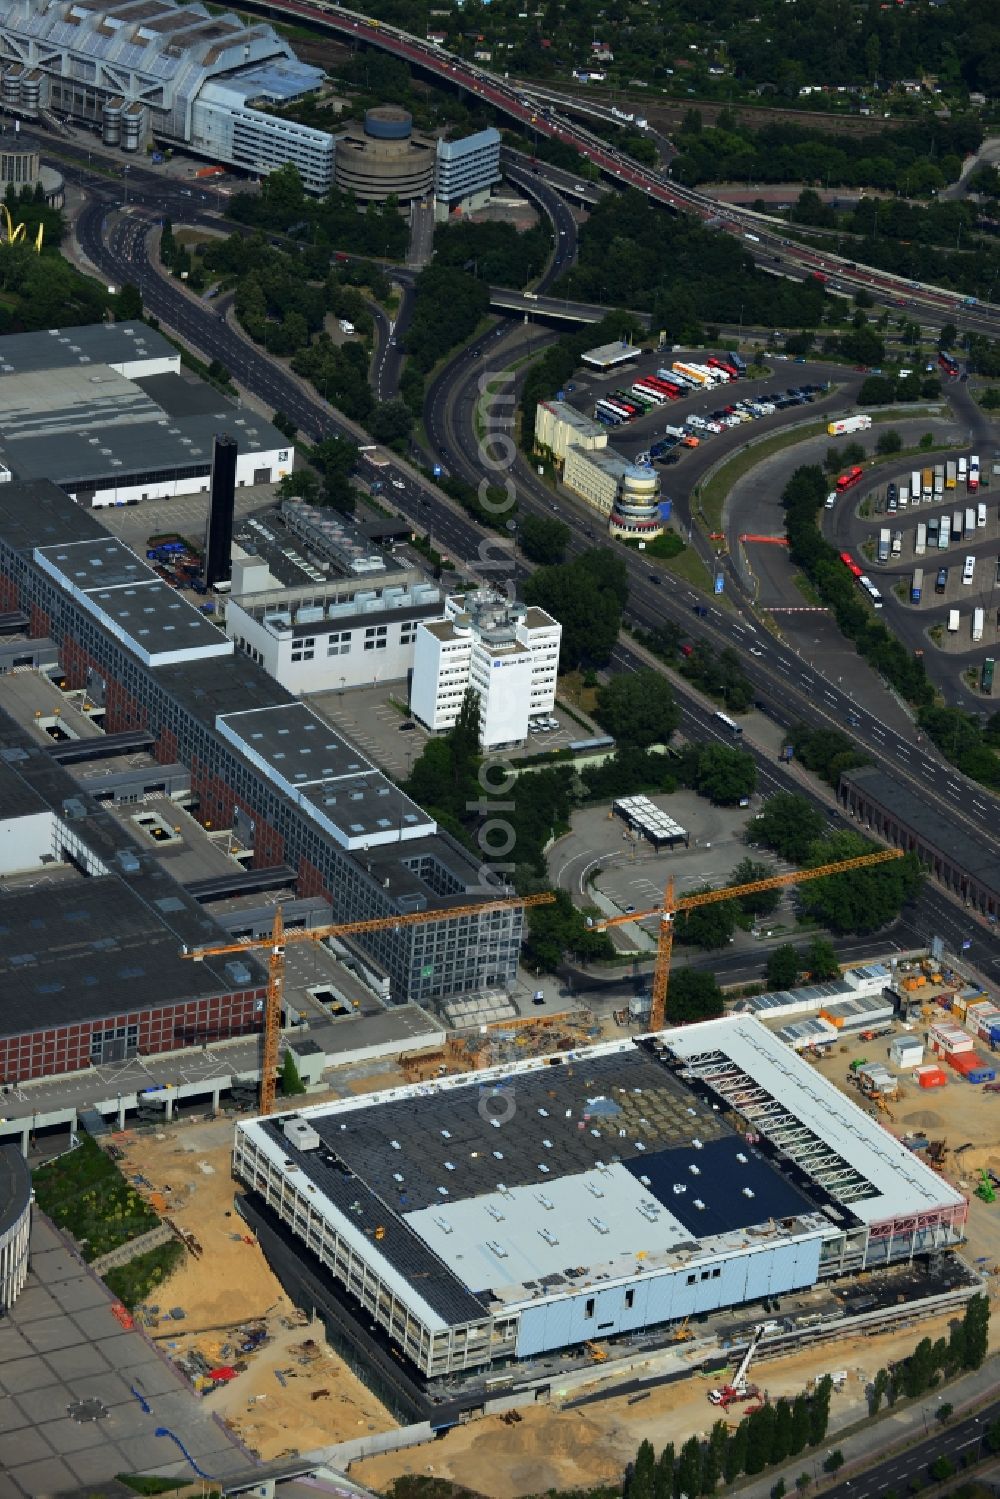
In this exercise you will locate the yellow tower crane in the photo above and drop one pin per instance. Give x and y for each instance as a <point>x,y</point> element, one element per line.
<point>672,905</point>
<point>278,939</point>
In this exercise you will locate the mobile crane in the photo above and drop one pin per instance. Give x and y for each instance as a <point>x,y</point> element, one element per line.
<point>738,1388</point>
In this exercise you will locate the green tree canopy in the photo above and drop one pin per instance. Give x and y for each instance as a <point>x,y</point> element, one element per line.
<point>637,708</point>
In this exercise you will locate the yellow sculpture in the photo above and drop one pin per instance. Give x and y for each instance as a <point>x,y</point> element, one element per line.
<point>16,234</point>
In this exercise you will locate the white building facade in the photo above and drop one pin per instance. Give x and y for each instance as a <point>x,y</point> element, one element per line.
<point>507,653</point>
<point>465,171</point>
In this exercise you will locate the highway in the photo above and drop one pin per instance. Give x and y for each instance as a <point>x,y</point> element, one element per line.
<point>788,689</point>
<point>763,238</point>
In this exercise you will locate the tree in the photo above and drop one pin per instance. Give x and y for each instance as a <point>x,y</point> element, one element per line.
<point>876,390</point>
<point>976,1324</point>
<point>819,1410</point>
<point>725,775</point>
<point>834,1462</point>
<point>663,1480</point>
<point>889,442</point>
<point>803,1481</point>
<point>129,303</point>
<point>390,422</point>
<point>789,824</point>
<point>941,1468</point>
<point>639,1484</point>
<point>302,484</point>
<point>944,1411</point>
<point>692,995</point>
<point>689,1468</point>
<point>285,425</point>
<point>586,596</point>
<point>291,1083</point>
<point>708,927</point>
<point>543,539</point>
<point>759,902</point>
<point>637,708</point>
<point>558,929</point>
<point>821,960</point>
<point>760,1434</point>
<point>948,337</point>
<point>862,900</point>
<point>879,1389</point>
<point>799,1436</point>
<point>779,1489</point>
<point>783,967</point>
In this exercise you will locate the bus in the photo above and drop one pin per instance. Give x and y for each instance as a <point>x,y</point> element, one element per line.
<point>851,565</point>
<point>610,413</point>
<point>847,481</point>
<point>969,570</point>
<point>948,363</point>
<point>986,675</point>
<point>646,392</point>
<point>731,728</point>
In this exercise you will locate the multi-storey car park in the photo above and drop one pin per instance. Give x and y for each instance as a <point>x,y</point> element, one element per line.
<point>261,763</point>
<point>545,1203</point>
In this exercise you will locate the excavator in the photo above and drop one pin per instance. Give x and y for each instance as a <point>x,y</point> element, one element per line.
<point>738,1389</point>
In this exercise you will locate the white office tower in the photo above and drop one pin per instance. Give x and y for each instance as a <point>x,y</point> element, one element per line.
<point>508,653</point>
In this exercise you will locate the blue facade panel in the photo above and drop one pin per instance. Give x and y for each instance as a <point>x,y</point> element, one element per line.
<point>649,1300</point>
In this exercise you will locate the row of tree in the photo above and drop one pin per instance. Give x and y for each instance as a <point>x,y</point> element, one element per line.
<point>334,222</point>
<point>917,159</point>
<point>854,903</point>
<point>802,499</point>
<point>494,252</point>
<point>969,743</point>
<point>771,1434</point>
<point>718,674</point>
<point>964,1349</point>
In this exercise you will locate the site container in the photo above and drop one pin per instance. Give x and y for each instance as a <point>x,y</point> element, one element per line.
<point>983,1074</point>
<point>931,1077</point>
<point>906,1051</point>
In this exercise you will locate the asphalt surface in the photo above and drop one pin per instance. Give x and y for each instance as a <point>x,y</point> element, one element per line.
<point>763,242</point>
<point>789,690</point>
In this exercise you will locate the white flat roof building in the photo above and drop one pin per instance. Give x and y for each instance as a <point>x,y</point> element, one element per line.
<point>507,653</point>
<point>465,171</point>
<point>535,1206</point>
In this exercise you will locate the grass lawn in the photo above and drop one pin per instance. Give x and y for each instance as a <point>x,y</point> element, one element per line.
<point>572,691</point>
<point>85,1193</point>
<point>135,1282</point>
<point>690,567</point>
<point>806,589</point>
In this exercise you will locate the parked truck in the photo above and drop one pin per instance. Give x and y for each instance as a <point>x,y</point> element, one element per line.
<point>904,496</point>
<point>981,514</point>
<point>944,534</point>
<point>986,675</point>
<point>973,473</point>
<point>920,542</point>
<point>956,525</point>
<point>897,543</point>
<point>950,474</point>
<point>970,520</point>
<point>963,470</point>
<point>915,486</point>
<point>848,424</point>
<point>978,620</point>
<point>884,543</point>
<point>927,483</point>
<point>953,621</point>
<point>916,587</point>
<point>938,480</point>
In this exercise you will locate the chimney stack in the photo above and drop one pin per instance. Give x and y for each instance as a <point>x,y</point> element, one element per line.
<point>219,532</point>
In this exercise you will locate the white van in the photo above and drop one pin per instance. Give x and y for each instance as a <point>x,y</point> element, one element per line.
<point>969,569</point>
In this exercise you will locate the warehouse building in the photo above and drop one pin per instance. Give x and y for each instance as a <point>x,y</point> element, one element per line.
<point>105,411</point>
<point>507,653</point>
<point>292,791</point>
<point>540,1205</point>
<point>91,963</point>
<point>157,71</point>
<point>959,860</point>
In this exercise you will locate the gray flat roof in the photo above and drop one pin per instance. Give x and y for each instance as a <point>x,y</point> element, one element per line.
<point>94,343</point>
<point>81,423</point>
<point>83,948</point>
<point>123,592</point>
<point>606,1156</point>
<point>965,850</point>
<point>326,774</point>
<point>606,355</point>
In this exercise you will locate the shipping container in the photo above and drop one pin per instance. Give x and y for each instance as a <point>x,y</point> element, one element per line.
<point>932,1077</point>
